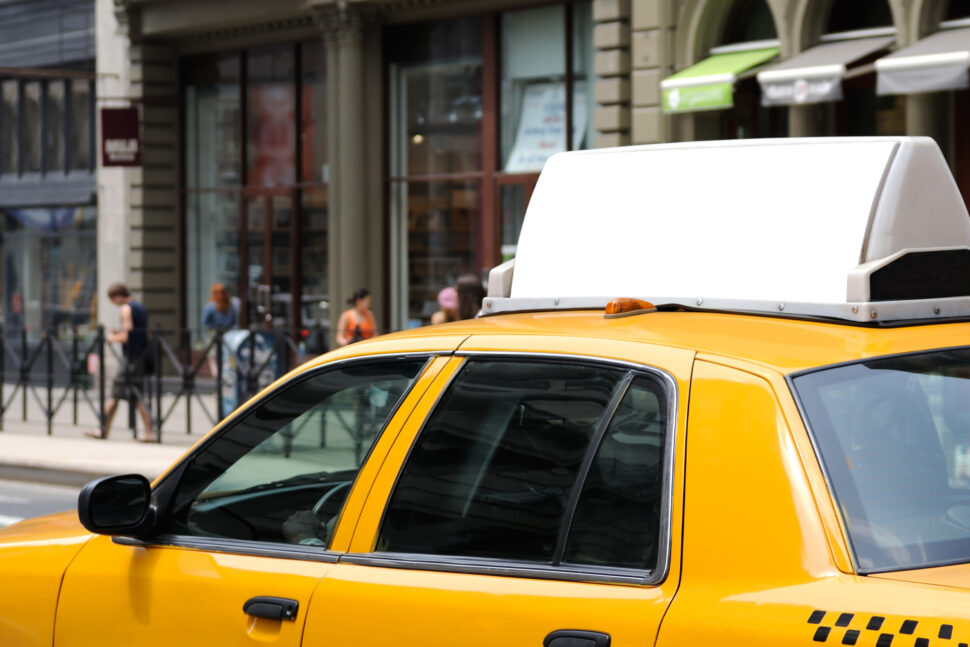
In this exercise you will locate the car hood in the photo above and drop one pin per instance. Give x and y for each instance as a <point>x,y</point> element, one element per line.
<point>52,529</point>
<point>33,557</point>
<point>956,576</point>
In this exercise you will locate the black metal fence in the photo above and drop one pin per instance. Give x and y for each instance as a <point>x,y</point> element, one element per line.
<point>41,377</point>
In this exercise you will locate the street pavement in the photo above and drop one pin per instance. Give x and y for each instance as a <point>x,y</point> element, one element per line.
<point>29,451</point>
<point>20,500</point>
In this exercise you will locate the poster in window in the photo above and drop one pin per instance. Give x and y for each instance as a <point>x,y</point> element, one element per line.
<point>542,125</point>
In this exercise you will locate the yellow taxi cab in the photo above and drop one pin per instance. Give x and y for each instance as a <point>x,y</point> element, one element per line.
<point>721,397</point>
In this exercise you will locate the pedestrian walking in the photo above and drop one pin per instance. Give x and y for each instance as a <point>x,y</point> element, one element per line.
<point>448,302</point>
<point>470,296</point>
<point>357,322</point>
<point>129,384</point>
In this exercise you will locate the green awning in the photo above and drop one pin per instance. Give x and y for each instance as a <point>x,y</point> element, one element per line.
<point>709,84</point>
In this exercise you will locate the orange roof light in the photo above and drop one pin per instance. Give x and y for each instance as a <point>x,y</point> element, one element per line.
<point>626,306</point>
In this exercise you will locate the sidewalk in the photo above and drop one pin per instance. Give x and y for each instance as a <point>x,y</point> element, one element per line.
<point>67,457</point>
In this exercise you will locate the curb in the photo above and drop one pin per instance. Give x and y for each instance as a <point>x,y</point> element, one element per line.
<point>48,475</point>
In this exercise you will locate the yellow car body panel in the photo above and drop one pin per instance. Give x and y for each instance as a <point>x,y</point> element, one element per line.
<point>33,556</point>
<point>117,596</point>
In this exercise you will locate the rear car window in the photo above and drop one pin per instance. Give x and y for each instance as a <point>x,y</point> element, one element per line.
<point>536,461</point>
<point>893,435</point>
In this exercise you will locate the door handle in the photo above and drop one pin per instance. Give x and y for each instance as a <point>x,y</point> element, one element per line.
<point>576,638</point>
<point>263,606</point>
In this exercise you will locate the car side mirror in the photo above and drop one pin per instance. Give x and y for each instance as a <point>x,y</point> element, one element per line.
<point>117,505</point>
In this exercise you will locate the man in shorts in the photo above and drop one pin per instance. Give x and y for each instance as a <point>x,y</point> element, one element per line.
<point>130,382</point>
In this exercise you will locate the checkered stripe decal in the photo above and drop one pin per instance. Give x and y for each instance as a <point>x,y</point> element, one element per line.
<point>837,628</point>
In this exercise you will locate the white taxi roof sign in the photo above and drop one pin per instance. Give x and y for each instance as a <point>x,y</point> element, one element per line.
<point>799,226</point>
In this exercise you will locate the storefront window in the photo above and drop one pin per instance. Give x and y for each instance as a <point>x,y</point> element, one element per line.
<point>584,102</point>
<point>9,115</point>
<point>54,126</point>
<point>436,130</point>
<point>31,127</point>
<point>257,260</point>
<point>442,230</point>
<point>313,117</point>
<point>271,110</point>
<point>533,87</point>
<point>80,132</point>
<point>212,249</point>
<point>49,268</point>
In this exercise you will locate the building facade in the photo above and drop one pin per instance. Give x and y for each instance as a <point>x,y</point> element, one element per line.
<point>48,207</point>
<point>300,149</point>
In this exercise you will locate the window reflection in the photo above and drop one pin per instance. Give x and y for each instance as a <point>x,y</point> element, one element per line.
<point>81,132</point>
<point>54,127</point>
<point>9,115</point>
<point>31,127</point>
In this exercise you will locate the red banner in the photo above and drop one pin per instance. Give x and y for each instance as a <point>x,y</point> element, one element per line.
<point>120,137</point>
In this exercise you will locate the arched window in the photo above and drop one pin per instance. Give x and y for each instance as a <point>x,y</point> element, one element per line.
<point>749,20</point>
<point>851,15</point>
<point>957,9</point>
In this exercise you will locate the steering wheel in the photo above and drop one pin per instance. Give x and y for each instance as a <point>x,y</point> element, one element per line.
<point>318,506</point>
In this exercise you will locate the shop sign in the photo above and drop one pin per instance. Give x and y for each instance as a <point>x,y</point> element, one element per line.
<point>120,137</point>
<point>691,98</point>
<point>798,91</point>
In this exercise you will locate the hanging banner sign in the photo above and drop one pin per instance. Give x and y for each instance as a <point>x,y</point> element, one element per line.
<point>120,137</point>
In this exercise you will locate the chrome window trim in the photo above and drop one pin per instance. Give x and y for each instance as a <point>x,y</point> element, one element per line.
<point>234,547</point>
<point>500,567</point>
<point>816,449</point>
<point>565,571</point>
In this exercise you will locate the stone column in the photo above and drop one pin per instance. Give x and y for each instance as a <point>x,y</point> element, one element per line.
<point>611,65</point>
<point>650,66</point>
<point>138,207</point>
<point>351,264</point>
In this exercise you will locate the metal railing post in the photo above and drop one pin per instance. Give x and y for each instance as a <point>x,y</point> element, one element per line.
<point>219,411</point>
<point>3,376</point>
<point>102,418</point>
<point>157,352</point>
<point>75,373</point>
<point>24,369</point>
<point>186,377</point>
<point>50,382</point>
<point>252,377</point>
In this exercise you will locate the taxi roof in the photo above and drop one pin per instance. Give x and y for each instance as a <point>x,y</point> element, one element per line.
<point>781,344</point>
<point>858,229</point>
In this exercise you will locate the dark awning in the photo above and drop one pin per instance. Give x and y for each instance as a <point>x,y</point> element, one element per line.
<point>815,75</point>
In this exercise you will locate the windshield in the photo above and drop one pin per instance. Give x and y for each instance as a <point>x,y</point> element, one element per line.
<point>894,439</point>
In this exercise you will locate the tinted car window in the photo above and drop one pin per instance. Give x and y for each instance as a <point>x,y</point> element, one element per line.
<point>617,519</point>
<point>282,472</point>
<point>494,472</point>
<point>894,437</point>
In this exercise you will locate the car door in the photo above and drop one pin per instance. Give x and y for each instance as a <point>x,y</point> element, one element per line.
<point>248,518</point>
<point>535,503</point>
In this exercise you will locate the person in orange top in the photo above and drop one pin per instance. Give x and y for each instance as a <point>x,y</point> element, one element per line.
<point>356,323</point>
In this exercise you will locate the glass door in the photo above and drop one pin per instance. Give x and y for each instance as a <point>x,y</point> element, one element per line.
<point>269,261</point>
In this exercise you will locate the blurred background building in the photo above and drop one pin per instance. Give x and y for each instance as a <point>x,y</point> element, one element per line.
<point>296,150</point>
<point>47,165</point>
